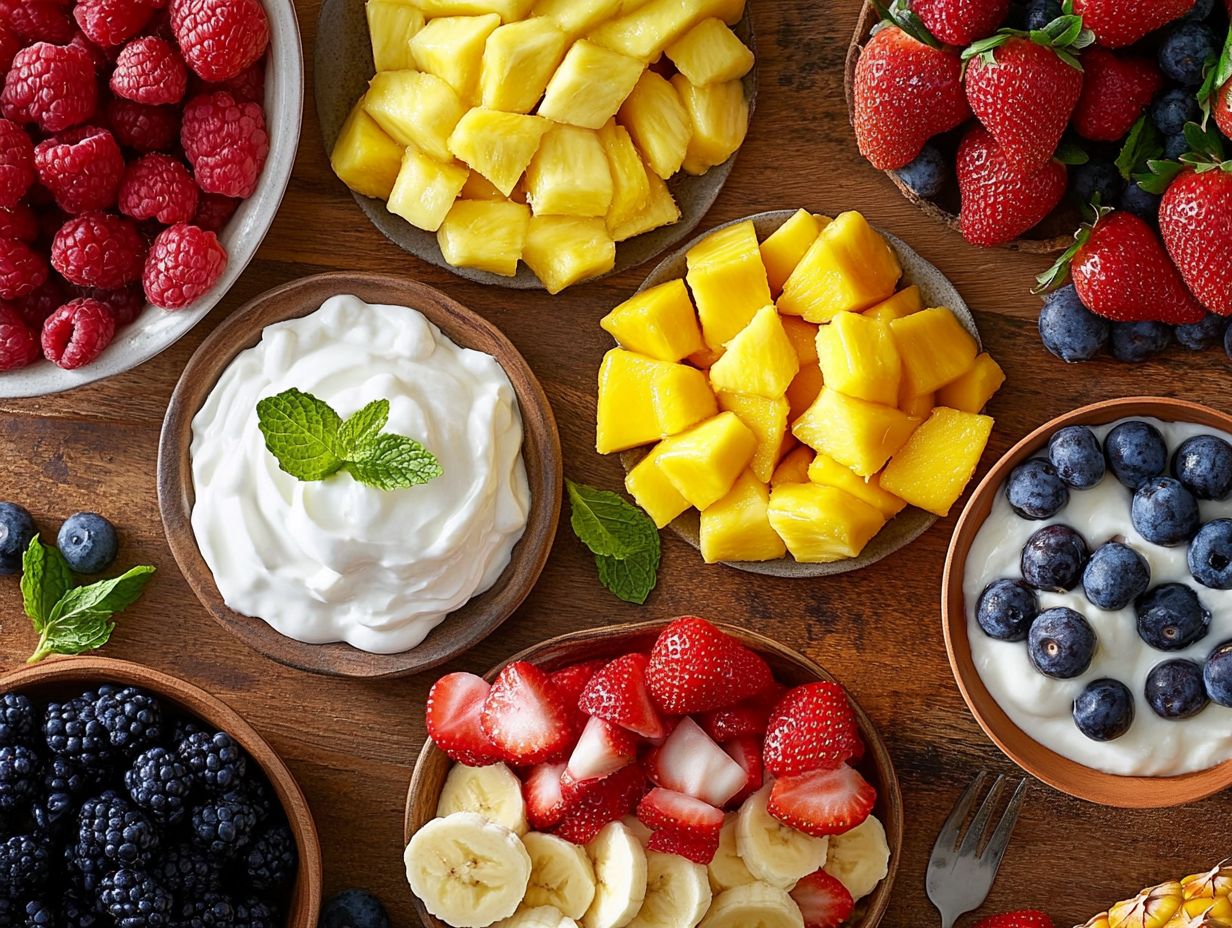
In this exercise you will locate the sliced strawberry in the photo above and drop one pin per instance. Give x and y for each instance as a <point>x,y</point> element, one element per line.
<point>600,802</point>
<point>694,667</point>
<point>664,808</point>
<point>746,751</point>
<point>618,694</point>
<point>824,802</point>
<point>812,728</point>
<point>747,718</point>
<point>455,704</point>
<point>824,901</point>
<point>526,717</point>
<point>571,681</point>
<point>603,749</point>
<point>690,762</point>
<point>1023,918</point>
<point>698,848</point>
<point>545,801</point>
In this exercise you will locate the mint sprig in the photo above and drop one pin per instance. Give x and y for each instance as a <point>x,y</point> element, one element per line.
<point>312,442</point>
<point>623,539</point>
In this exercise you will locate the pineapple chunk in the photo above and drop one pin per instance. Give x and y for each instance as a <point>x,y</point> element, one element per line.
<point>499,146</point>
<point>485,234</point>
<point>737,527</point>
<point>903,303</point>
<point>935,349</point>
<point>518,60</point>
<point>710,53</point>
<point>830,473</point>
<point>563,250</point>
<point>576,17</point>
<point>630,185</point>
<point>391,27</point>
<point>728,281</point>
<point>849,268</point>
<point>783,248</point>
<point>590,85</point>
<point>704,359</point>
<point>660,210</point>
<point>972,391</point>
<point>858,357</point>
<point>759,360</point>
<point>794,468</point>
<point>658,122</point>
<point>364,157</point>
<point>645,31</point>
<point>478,187</point>
<point>935,465</point>
<point>767,419</point>
<point>857,433</point>
<point>452,48</point>
<point>652,491</point>
<point>415,109</point>
<point>719,117</point>
<point>822,524</point>
<point>641,400</point>
<point>508,10</point>
<point>659,323</point>
<point>804,390</point>
<point>569,175</point>
<point>803,338</point>
<point>917,406</point>
<point>704,462</point>
<point>425,190</point>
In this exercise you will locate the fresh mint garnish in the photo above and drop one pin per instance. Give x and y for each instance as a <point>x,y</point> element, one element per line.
<point>623,539</point>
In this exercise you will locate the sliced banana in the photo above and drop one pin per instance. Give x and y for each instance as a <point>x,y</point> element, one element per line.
<point>493,792</point>
<point>544,916</point>
<point>727,869</point>
<point>677,893</point>
<point>860,859</point>
<point>773,852</point>
<point>620,877</point>
<point>753,905</point>
<point>640,831</point>
<point>561,875</point>
<point>469,872</point>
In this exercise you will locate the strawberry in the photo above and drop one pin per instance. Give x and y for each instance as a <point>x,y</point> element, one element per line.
<point>665,809</point>
<point>571,681</point>
<point>618,694</point>
<point>812,728</point>
<point>601,802</point>
<point>999,200</point>
<point>694,667</point>
<point>1117,23</point>
<point>690,762</point>
<point>455,704</point>
<point>602,749</point>
<point>525,716</point>
<point>823,900</point>
<point>1116,91</point>
<point>824,802</point>
<point>746,751</point>
<point>1194,219</point>
<point>698,848</point>
<point>1026,918</point>
<point>1223,108</point>
<point>961,22</point>
<point>747,718</point>
<point>545,801</point>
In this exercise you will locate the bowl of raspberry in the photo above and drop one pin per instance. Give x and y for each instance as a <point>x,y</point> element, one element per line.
<point>145,147</point>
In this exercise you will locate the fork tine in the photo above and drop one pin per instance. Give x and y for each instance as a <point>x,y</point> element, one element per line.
<point>970,846</point>
<point>1005,828</point>
<point>951,831</point>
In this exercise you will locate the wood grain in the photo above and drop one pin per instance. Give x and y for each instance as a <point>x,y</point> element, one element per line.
<point>352,744</point>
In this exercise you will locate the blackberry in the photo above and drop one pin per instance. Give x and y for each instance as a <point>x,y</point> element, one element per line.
<point>254,912</point>
<point>8,912</point>
<point>53,815</point>
<point>223,827</point>
<point>210,910</point>
<point>160,784</point>
<point>186,870</point>
<point>135,899</point>
<point>111,833</point>
<point>72,729</point>
<point>182,727</point>
<point>132,717</point>
<point>18,722</point>
<point>39,914</point>
<point>19,776</point>
<point>269,861</point>
<point>256,792</point>
<point>218,762</point>
<point>25,866</point>
<point>76,912</point>
<point>64,775</point>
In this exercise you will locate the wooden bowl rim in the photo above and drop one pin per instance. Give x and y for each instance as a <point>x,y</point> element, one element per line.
<point>1059,772</point>
<point>88,670</point>
<point>476,619</point>
<point>889,791</point>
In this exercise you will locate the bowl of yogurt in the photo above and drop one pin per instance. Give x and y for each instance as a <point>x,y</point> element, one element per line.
<point>334,560</point>
<point>1087,602</point>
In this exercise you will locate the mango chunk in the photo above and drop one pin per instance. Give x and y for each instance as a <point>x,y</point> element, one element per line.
<point>391,27</point>
<point>904,303</point>
<point>710,53</point>
<point>452,48</point>
<point>518,60</point>
<point>651,490</point>
<point>719,119</point>
<point>704,462</point>
<point>728,281</point>
<point>563,250</point>
<point>803,391</point>
<point>935,465</point>
<point>659,323</point>
<point>830,473</point>
<point>849,268</point>
<point>855,432</point>
<point>737,527</point>
<point>972,391</point>
<point>786,245</point>
<point>659,210</point>
<point>759,360</point>
<point>767,419</point>
<point>630,185</point>
<point>425,190</point>
<point>364,157</point>
<point>794,468</point>
<point>499,146</point>
<point>822,524</point>
<point>934,347</point>
<point>658,122</point>
<point>858,357</point>
<point>641,400</point>
<point>415,109</point>
<point>485,234</point>
<point>917,406</point>
<point>569,175</point>
<point>590,85</point>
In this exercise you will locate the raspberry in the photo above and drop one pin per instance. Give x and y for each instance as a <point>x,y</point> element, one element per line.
<point>41,21</point>
<point>82,168</point>
<point>247,87</point>
<point>102,58</point>
<point>18,345</point>
<point>148,70</point>
<point>37,306</point>
<point>108,23</point>
<point>52,86</point>
<point>158,187</point>
<point>10,45</point>
<point>220,38</point>
<point>16,163</point>
<point>22,269</point>
<point>77,332</point>
<point>125,305</point>
<point>98,250</point>
<point>20,223</point>
<point>225,142</point>
<point>215,212</point>
<point>183,264</point>
<point>143,128</point>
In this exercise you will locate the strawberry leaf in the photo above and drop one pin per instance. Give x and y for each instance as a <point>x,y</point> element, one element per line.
<point>1058,274</point>
<point>1141,145</point>
<point>1159,176</point>
<point>901,15</point>
<point>1071,153</point>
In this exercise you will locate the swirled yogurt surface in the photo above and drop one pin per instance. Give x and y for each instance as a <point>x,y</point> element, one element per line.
<point>335,560</point>
<point>1042,706</point>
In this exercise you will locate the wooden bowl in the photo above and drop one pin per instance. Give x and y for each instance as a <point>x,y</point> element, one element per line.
<point>909,524</point>
<point>790,667</point>
<point>1060,772</point>
<point>58,678</point>
<point>541,451</point>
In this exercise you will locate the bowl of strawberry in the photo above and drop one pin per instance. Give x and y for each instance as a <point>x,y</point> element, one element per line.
<point>145,146</point>
<point>667,774</point>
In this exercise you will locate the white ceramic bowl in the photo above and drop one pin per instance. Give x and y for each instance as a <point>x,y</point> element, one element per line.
<point>156,329</point>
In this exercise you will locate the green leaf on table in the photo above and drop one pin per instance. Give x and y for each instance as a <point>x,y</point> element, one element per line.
<point>632,578</point>
<point>45,578</point>
<point>606,523</point>
<point>83,618</point>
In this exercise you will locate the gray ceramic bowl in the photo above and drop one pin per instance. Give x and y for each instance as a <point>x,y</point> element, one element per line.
<point>343,68</point>
<point>909,524</point>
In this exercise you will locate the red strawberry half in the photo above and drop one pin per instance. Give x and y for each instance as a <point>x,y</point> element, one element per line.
<point>1026,918</point>
<point>545,801</point>
<point>694,667</point>
<point>571,681</point>
<point>746,751</point>
<point>1116,91</point>
<point>618,694</point>
<point>455,704</point>
<point>1194,218</point>
<point>813,728</point>
<point>690,762</point>
<point>824,901</point>
<point>526,717</point>
<point>824,802</point>
<point>747,718</point>
<point>603,749</point>
<point>698,848</point>
<point>664,808</point>
<point>602,802</point>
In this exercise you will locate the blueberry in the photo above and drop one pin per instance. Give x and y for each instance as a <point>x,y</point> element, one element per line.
<point>1061,643</point>
<point>927,174</point>
<point>1227,341</point>
<point>1217,675</point>
<point>1204,465</point>
<point>1141,203</point>
<point>354,908</point>
<point>1006,609</point>
<point>1076,454</point>
<point>16,530</point>
<point>1115,576</point>
<point>1164,512</point>
<point>1053,558</point>
<point>88,542</point>
<point>1175,108</point>
<point>1135,342</point>
<point>1041,12</point>
<point>1104,711</point>
<point>1210,555</point>
<point>1096,178</point>
<point>1175,146</point>
<point>1136,453</point>
<point>1171,617</point>
<point>1202,10</point>
<point>1068,329</point>
<point>1035,491</point>
<point>1198,336</point>
<point>1184,53</point>
<point>1174,689</point>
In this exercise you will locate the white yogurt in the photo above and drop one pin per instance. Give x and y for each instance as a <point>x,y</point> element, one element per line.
<point>335,560</point>
<point>1041,706</point>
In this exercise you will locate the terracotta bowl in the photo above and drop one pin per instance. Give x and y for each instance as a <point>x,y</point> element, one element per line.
<point>790,667</point>
<point>909,524</point>
<point>59,678</point>
<point>541,450</point>
<point>1057,771</point>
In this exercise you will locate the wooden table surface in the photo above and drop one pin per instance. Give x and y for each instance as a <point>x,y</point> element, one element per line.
<point>352,744</point>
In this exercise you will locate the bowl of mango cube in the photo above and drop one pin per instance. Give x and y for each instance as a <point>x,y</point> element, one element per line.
<point>534,143</point>
<point>796,395</point>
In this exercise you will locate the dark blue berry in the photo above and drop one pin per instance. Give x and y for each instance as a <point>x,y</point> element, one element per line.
<point>132,717</point>
<point>1204,465</point>
<point>111,833</point>
<point>1115,576</point>
<point>1217,675</point>
<point>1035,491</point>
<point>927,174</point>
<point>217,761</point>
<point>1078,457</point>
<point>1210,555</point>
<point>1135,342</point>
<point>1185,51</point>
<point>1174,689</point>
<point>20,776</point>
<point>1175,108</point>
<point>1202,10</point>
<point>160,783</point>
<point>64,775</point>
<point>16,529</point>
<point>76,912</point>
<point>72,729</point>
<point>222,827</point>
<point>1053,558</point>
<point>1142,203</point>
<point>18,720</point>
<point>1096,178</point>
<point>187,871</point>
<point>135,899</point>
<point>1006,609</point>
<point>1061,643</point>
<point>1171,617</point>
<point>53,815</point>
<point>25,866</point>
<point>88,542</point>
<point>1136,453</point>
<point>255,912</point>
<point>39,913</point>
<point>210,910</point>
<point>1164,512</point>
<point>269,861</point>
<point>1175,146</point>
<point>1198,336</point>
<point>255,791</point>
<point>1227,342</point>
<point>1041,12</point>
<point>1104,711</point>
<point>1068,329</point>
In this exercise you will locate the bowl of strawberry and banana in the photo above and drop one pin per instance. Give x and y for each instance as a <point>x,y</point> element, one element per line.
<point>677,784</point>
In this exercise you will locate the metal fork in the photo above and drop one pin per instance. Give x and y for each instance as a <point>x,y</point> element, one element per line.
<point>964,865</point>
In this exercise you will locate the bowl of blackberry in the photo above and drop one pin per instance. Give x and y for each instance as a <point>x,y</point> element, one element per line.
<point>131,798</point>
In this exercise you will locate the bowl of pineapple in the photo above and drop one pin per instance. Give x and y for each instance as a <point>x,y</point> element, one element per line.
<point>534,143</point>
<point>796,396</point>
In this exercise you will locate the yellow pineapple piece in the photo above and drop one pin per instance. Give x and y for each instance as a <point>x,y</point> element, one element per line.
<point>630,185</point>
<point>645,31</point>
<point>705,358</point>
<point>936,463</point>
<point>364,157</point>
<point>569,175</point>
<point>794,468</point>
<point>658,123</point>
<point>478,187</point>
<point>904,303</point>
<point>652,490</point>
<point>452,48</point>
<point>641,400</point>
<point>703,462</point>
<point>508,10</point>
<point>737,527</point>
<point>972,391</point>
<point>766,417</point>
<point>759,360</point>
<point>1215,883</point>
<point>850,267</point>
<point>934,347</point>
<point>518,60</point>
<point>858,357</point>
<point>659,210</point>
<point>803,391</point>
<point>829,472</point>
<point>563,250</point>
<point>803,338</point>
<point>855,432</point>
<point>728,281</point>
<point>719,118</point>
<point>391,27</point>
<point>659,323</point>
<point>415,109</point>
<point>590,85</point>
<point>1151,908</point>
<point>426,189</point>
<point>710,53</point>
<point>783,248</point>
<point>822,524</point>
<point>499,146</point>
<point>576,17</point>
<point>918,406</point>
<point>485,234</point>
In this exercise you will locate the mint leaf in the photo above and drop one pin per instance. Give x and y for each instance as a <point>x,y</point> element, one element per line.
<point>45,578</point>
<point>607,524</point>
<point>362,428</point>
<point>394,462</point>
<point>632,578</point>
<point>301,431</point>
<point>82,619</point>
